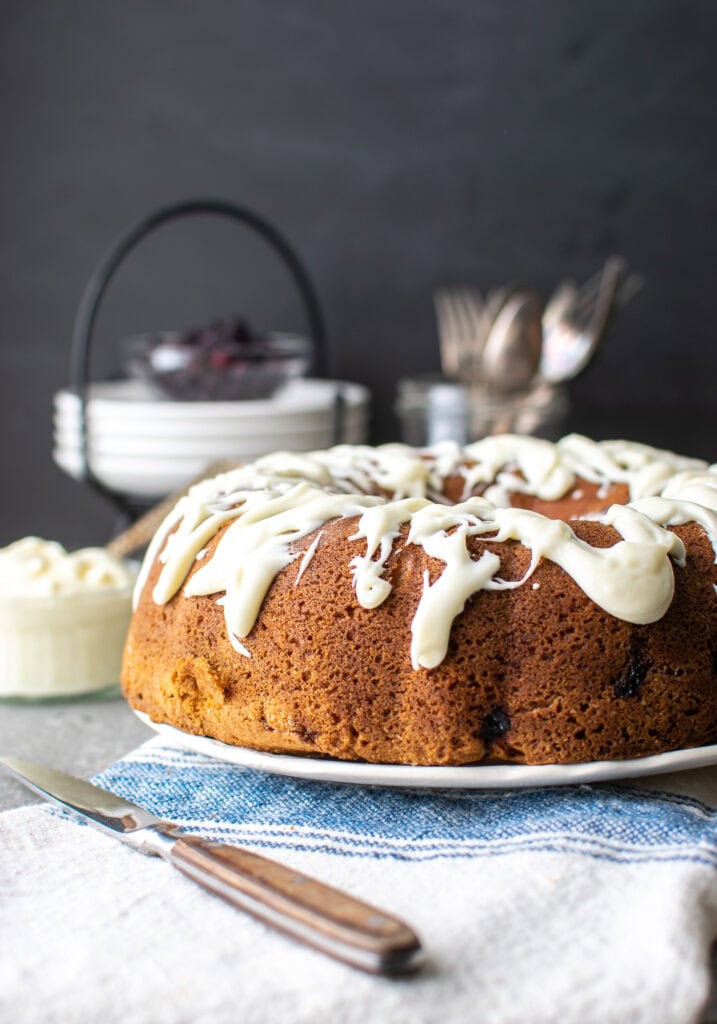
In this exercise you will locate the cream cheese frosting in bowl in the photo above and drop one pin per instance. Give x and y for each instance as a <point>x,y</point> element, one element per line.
<point>63,619</point>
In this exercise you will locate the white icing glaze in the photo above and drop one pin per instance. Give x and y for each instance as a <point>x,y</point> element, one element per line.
<point>282,498</point>
<point>697,487</point>
<point>672,512</point>
<point>379,526</point>
<point>33,567</point>
<point>256,547</point>
<point>543,471</point>
<point>308,555</point>
<point>645,470</point>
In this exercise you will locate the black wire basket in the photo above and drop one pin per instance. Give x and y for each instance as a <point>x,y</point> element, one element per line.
<point>94,292</point>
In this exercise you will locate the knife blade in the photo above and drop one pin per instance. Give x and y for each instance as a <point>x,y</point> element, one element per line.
<point>319,915</point>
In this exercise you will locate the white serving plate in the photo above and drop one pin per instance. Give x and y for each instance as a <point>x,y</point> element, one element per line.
<point>490,776</point>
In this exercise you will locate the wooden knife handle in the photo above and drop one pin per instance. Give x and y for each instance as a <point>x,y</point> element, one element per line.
<point>317,914</point>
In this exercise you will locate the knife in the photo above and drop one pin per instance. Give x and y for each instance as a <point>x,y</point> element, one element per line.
<point>319,915</point>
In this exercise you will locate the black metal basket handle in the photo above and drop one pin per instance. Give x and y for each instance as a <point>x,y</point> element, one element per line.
<point>105,270</point>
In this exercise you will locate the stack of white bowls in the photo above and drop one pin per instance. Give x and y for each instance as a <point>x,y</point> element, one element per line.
<point>144,446</point>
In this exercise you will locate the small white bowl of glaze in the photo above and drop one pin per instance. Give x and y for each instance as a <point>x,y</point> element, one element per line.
<point>63,620</point>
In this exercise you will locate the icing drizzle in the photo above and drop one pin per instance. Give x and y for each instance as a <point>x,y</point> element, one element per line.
<point>282,498</point>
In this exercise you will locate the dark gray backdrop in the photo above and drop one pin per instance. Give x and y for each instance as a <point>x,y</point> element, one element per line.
<point>399,145</point>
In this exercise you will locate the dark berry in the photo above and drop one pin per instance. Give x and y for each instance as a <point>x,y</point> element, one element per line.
<point>495,725</point>
<point>629,682</point>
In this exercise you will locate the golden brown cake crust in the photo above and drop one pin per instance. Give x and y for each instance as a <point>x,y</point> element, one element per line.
<point>537,674</point>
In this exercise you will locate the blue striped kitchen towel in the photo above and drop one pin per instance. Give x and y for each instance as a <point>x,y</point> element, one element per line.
<point>591,903</point>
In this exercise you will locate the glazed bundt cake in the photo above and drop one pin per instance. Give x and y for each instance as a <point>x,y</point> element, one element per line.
<point>513,600</point>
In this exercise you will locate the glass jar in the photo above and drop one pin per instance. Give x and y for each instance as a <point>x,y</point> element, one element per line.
<point>432,409</point>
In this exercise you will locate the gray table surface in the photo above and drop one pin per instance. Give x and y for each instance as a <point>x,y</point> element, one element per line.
<point>81,737</point>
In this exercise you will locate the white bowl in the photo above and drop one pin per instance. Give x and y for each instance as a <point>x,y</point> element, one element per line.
<point>147,475</point>
<point>128,401</point>
<point>208,448</point>
<point>125,477</point>
<point>146,446</point>
<point>111,437</point>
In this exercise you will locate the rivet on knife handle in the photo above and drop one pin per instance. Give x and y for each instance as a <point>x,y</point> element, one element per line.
<point>323,917</point>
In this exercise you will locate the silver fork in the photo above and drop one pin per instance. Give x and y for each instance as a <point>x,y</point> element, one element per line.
<point>461,316</point>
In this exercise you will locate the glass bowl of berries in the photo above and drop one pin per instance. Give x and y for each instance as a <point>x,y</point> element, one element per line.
<point>223,361</point>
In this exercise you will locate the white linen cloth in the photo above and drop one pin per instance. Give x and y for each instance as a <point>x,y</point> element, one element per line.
<point>572,904</point>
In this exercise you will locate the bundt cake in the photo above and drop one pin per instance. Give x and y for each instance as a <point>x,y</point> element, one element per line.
<point>513,600</point>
